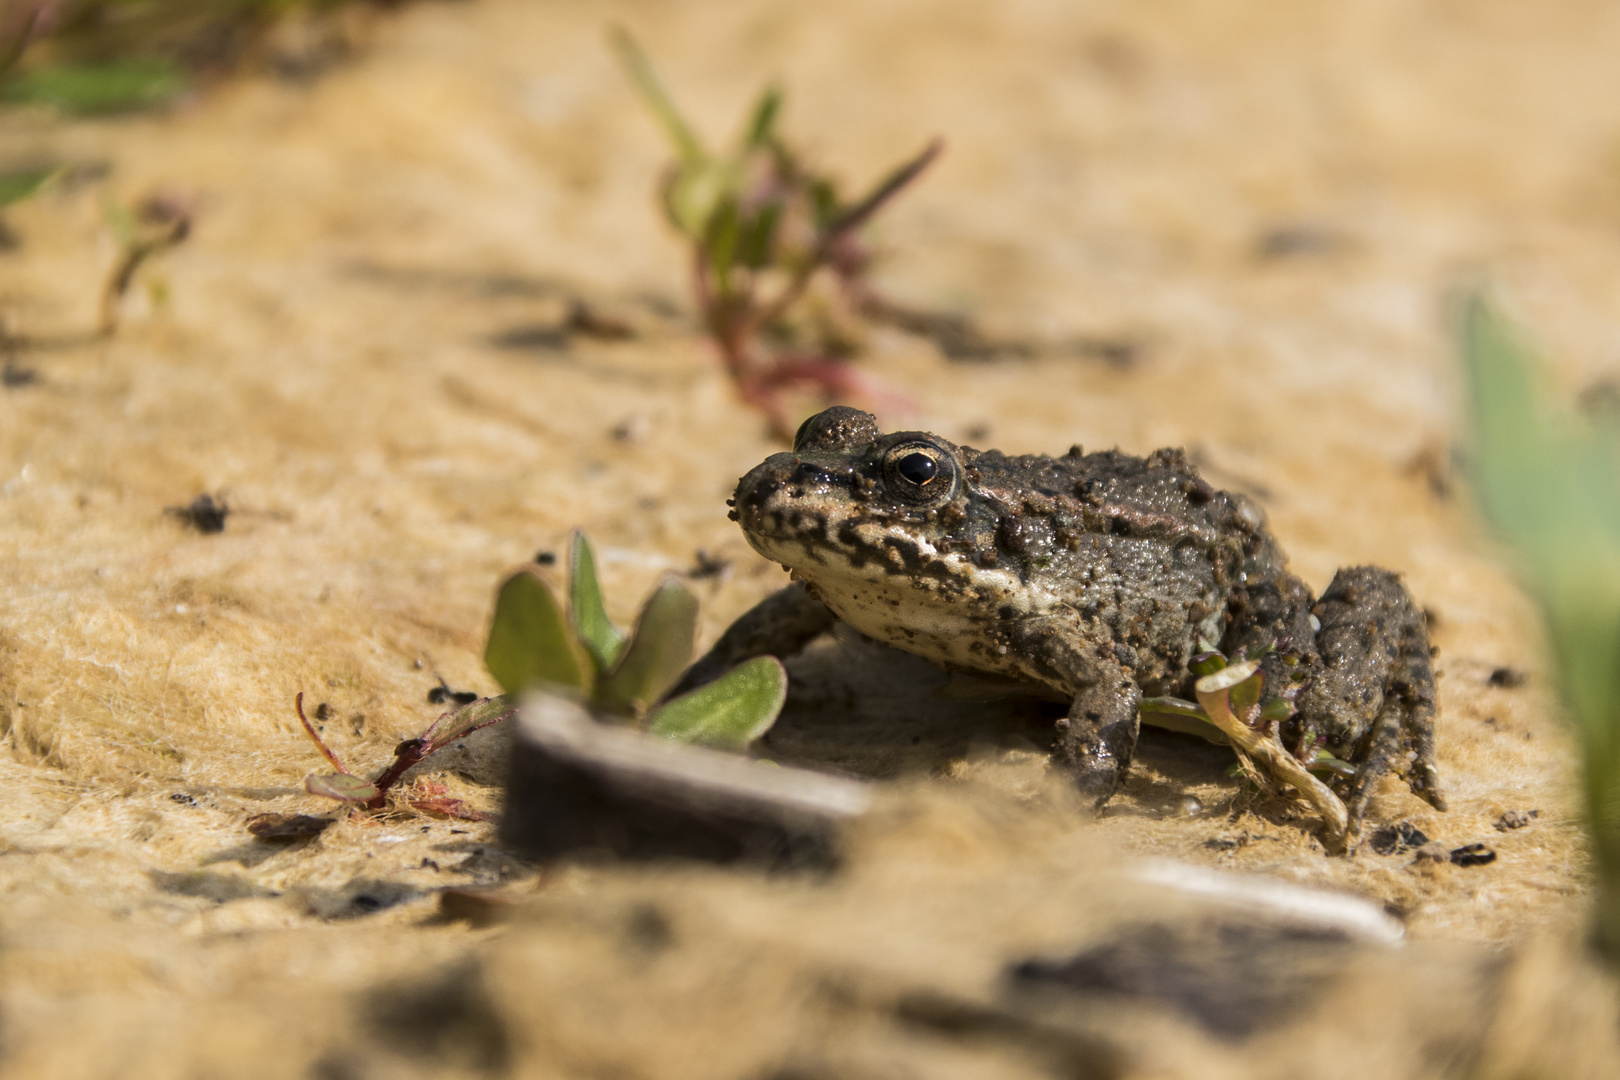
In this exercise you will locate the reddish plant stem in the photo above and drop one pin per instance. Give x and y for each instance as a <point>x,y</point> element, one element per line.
<point>309,729</point>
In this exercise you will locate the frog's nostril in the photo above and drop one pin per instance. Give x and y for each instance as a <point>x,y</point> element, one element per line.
<point>809,472</point>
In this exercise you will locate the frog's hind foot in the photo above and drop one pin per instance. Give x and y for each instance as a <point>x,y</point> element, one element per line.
<point>1375,696</point>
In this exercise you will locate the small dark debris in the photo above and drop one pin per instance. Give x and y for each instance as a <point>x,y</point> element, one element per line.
<point>323,711</point>
<point>1507,678</point>
<point>183,799</point>
<point>13,376</point>
<point>442,694</point>
<point>539,338</point>
<point>1296,240</point>
<point>203,514</point>
<point>632,429</point>
<point>1472,855</point>
<point>287,826</point>
<point>1516,819</point>
<point>708,566</point>
<point>1394,839</point>
<point>588,322</point>
<point>1115,352</point>
<point>545,558</point>
<point>1226,843</point>
<point>1431,616</point>
<point>368,903</point>
<point>977,432</point>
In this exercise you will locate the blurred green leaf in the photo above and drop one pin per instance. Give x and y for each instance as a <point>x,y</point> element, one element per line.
<point>17,186</point>
<point>112,86</point>
<point>762,124</point>
<point>341,786</point>
<point>659,651</point>
<point>652,91</point>
<point>730,712</point>
<point>530,641</point>
<point>754,248</point>
<point>720,239</point>
<point>692,193</point>
<point>1550,484</point>
<point>585,608</point>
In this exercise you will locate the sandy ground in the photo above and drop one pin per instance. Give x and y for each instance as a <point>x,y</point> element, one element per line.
<point>357,349</point>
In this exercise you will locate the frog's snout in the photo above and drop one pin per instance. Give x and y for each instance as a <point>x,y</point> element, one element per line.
<point>789,495</point>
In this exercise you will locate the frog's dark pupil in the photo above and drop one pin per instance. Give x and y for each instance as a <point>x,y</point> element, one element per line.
<point>918,468</point>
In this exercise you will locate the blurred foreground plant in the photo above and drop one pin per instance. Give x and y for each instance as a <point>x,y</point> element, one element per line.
<point>1549,482</point>
<point>537,645</point>
<point>763,227</point>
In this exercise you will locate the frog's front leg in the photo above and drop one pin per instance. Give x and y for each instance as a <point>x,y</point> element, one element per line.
<point>1098,737</point>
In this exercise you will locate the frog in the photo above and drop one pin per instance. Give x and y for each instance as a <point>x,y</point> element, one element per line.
<point>1097,577</point>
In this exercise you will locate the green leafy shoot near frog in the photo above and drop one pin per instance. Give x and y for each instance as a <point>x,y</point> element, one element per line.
<point>539,645</point>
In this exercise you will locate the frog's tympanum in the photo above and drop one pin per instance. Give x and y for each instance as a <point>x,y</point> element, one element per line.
<point>1093,575</point>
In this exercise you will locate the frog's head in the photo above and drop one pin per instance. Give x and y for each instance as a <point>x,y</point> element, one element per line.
<point>848,499</point>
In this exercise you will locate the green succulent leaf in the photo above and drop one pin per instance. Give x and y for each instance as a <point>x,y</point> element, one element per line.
<point>1246,695</point>
<point>343,787</point>
<point>17,186</point>
<point>1326,762</point>
<point>659,651</point>
<point>730,712</point>
<point>1206,663</point>
<point>1174,714</point>
<point>530,641</point>
<point>585,608</point>
<point>112,86</point>
<point>1277,709</point>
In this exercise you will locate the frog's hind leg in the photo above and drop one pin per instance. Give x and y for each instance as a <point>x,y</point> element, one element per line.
<point>1374,695</point>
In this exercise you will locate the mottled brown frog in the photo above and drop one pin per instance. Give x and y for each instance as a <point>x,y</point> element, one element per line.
<point>1093,575</point>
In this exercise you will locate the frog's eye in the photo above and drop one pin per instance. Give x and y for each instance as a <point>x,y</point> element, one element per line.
<point>917,467</point>
<point>920,472</point>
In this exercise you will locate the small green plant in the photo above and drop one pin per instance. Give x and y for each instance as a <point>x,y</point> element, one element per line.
<point>538,645</point>
<point>1229,710</point>
<point>764,228</point>
<point>1549,482</point>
